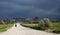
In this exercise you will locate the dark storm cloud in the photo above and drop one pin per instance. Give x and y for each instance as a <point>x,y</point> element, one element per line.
<point>29,8</point>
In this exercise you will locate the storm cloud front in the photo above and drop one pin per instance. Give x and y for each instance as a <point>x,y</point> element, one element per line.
<point>30,8</point>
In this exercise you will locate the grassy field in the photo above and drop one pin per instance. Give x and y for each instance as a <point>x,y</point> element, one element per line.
<point>33,26</point>
<point>4,27</point>
<point>56,25</point>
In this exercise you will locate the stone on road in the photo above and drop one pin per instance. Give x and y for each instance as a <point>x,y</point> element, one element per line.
<point>19,30</point>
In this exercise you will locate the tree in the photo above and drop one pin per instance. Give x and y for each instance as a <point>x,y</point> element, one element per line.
<point>47,22</point>
<point>36,19</point>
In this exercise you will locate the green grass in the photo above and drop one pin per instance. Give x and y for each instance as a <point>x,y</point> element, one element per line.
<point>33,26</point>
<point>4,27</point>
<point>55,25</point>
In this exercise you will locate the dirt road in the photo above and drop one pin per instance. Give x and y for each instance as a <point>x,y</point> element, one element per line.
<point>19,30</point>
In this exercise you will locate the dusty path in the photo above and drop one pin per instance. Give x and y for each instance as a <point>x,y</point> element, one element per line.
<point>19,30</point>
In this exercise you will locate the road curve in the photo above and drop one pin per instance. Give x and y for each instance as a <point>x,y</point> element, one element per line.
<point>19,30</point>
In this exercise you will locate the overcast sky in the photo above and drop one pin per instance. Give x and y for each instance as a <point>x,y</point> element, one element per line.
<point>30,8</point>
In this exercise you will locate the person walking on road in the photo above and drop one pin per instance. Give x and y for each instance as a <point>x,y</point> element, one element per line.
<point>15,25</point>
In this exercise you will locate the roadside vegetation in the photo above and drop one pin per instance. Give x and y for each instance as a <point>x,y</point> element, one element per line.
<point>33,26</point>
<point>54,27</point>
<point>5,27</point>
